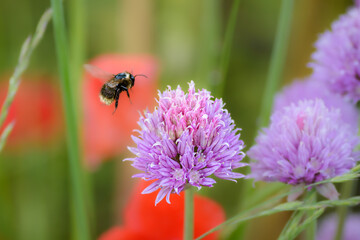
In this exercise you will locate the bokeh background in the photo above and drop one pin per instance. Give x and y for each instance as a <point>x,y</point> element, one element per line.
<point>184,39</point>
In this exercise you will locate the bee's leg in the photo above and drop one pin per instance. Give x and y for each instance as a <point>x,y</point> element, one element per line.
<point>127,92</point>
<point>125,89</point>
<point>117,94</point>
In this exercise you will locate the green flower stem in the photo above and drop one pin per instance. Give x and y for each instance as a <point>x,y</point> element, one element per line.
<point>218,88</point>
<point>277,61</point>
<point>342,211</point>
<point>294,220</point>
<point>81,225</point>
<point>189,214</point>
<point>310,198</point>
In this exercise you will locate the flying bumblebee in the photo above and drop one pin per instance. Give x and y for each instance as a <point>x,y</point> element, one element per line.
<point>114,85</point>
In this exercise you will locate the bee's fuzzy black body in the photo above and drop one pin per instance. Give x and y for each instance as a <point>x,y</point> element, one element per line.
<point>111,90</point>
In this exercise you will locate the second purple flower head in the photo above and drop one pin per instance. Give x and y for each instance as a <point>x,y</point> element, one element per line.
<point>304,144</point>
<point>186,140</point>
<point>336,59</point>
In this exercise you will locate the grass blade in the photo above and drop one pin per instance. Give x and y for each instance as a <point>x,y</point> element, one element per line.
<point>24,58</point>
<point>277,61</point>
<point>289,206</point>
<point>293,228</point>
<point>5,134</point>
<point>218,88</point>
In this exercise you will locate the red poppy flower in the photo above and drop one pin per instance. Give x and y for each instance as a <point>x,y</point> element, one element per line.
<point>107,134</point>
<point>36,110</point>
<point>143,220</point>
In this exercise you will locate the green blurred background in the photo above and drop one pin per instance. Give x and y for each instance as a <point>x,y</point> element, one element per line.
<point>186,36</point>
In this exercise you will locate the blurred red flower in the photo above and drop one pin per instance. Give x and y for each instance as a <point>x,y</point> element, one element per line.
<point>107,134</point>
<point>36,110</point>
<point>145,221</point>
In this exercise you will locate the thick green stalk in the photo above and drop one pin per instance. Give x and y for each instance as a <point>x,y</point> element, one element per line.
<point>277,61</point>
<point>76,174</point>
<point>342,211</point>
<point>77,44</point>
<point>310,198</point>
<point>189,214</point>
<point>218,88</point>
<point>77,30</point>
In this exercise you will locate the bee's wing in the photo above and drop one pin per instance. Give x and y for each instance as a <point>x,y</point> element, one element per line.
<point>98,72</point>
<point>112,82</point>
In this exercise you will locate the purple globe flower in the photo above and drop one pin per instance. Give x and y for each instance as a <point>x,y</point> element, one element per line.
<point>337,56</point>
<point>187,139</point>
<point>305,143</point>
<point>310,89</point>
<point>328,226</point>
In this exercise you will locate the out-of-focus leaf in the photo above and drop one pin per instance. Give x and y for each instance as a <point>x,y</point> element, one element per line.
<point>293,228</point>
<point>289,206</point>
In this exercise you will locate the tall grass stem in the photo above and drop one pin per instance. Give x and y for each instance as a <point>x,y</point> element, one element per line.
<point>209,44</point>
<point>78,46</point>
<point>80,218</point>
<point>219,86</point>
<point>275,71</point>
<point>277,61</point>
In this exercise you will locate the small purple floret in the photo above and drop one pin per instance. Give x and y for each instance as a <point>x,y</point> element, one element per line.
<point>186,140</point>
<point>305,143</point>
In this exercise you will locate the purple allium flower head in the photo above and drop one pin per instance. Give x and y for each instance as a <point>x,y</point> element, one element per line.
<point>310,89</point>
<point>305,143</point>
<point>337,56</point>
<point>328,227</point>
<point>188,138</point>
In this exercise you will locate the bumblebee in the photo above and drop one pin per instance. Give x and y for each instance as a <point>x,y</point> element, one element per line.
<point>114,85</point>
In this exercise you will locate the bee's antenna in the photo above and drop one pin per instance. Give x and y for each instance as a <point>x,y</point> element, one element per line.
<point>140,75</point>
